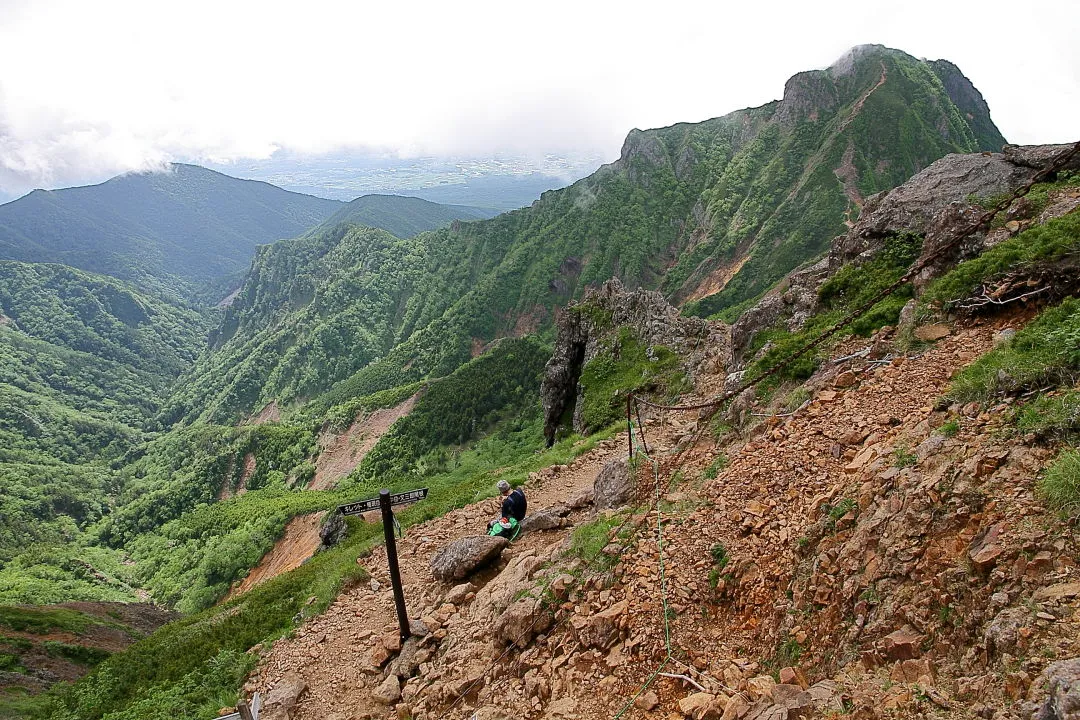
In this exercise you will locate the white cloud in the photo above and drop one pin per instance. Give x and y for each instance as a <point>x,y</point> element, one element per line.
<point>91,89</point>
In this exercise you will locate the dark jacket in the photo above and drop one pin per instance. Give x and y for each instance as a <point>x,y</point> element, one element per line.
<point>514,505</point>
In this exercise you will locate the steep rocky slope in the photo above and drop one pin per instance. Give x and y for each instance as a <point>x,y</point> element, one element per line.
<point>887,590</point>
<point>875,550</point>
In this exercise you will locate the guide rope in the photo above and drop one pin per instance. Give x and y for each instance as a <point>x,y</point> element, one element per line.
<point>643,451</point>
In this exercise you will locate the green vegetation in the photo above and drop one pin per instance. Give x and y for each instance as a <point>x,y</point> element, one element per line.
<point>950,429</point>
<point>1060,483</point>
<point>838,511</point>
<point>44,620</point>
<point>715,467</point>
<point>1053,414</point>
<point>625,365</point>
<point>797,397</point>
<point>1043,355</point>
<point>198,661</point>
<point>719,555</point>
<point>588,541</point>
<point>850,288</point>
<point>80,654</point>
<point>904,457</point>
<point>1049,242</point>
<point>403,217</point>
<point>499,384</point>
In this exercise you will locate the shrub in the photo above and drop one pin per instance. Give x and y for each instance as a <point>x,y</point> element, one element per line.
<point>719,555</point>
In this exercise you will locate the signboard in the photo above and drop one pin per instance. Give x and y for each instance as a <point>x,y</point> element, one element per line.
<point>363,506</point>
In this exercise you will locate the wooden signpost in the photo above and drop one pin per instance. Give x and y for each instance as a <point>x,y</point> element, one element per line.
<point>385,501</point>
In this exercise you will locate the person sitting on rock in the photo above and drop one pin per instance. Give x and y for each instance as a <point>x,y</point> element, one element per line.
<point>514,507</point>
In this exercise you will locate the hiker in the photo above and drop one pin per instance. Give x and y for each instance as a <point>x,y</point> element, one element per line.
<point>514,506</point>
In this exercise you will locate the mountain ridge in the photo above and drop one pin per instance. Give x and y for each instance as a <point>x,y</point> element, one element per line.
<point>713,214</point>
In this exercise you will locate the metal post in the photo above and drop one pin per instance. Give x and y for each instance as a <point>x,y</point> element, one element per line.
<point>391,561</point>
<point>629,427</point>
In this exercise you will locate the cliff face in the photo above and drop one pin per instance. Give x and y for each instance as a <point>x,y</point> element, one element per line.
<point>583,328</point>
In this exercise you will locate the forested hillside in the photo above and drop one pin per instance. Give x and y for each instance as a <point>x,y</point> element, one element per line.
<point>403,216</point>
<point>712,213</point>
<point>85,363</point>
<point>187,225</point>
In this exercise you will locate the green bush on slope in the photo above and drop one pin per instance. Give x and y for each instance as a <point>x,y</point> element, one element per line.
<point>850,288</point>
<point>1049,242</point>
<point>1044,354</point>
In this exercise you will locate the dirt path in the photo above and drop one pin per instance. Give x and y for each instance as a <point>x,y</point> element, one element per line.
<point>332,652</point>
<point>342,453</point>
<point>794,571</point>
<point>297,544</point>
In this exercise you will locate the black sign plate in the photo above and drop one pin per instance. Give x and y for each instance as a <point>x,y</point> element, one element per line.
<point>359,507</point>
<point>370,504</point>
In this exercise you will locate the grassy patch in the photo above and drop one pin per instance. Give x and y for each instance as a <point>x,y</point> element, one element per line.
<point>10,662</point>
<point>588,541</point>
<point>626,365</point>
<point>797,397</point>
<point>1053,414</point>
<point>1044,243</point>
<point>44,620</point>
<point>950,429</point>
<point>715,467</point>
<point>903,457</point>
<point>1044,354</point>
<point>1060,483</point>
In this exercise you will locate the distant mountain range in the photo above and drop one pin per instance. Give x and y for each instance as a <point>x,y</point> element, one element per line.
<point>402,216</point>
<point>183,228</point>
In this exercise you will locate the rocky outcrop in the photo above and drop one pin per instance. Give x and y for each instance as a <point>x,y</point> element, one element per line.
<point>615,484</point>
<point>1063,702</point>
<point>333,530</point>
<point>936,204</point>
<point>461,558</point>
<point>281,701</point>
<point>702,344</point>
<point>793,301</point>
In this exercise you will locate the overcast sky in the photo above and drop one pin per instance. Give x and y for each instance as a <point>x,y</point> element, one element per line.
<point>90,89</point>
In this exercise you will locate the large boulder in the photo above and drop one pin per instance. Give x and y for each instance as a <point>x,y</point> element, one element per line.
<point>543,520</point>
<point>615,484</point>
<point>1063,701</point>
<point>281,702</point>
<point>461,558</point>
<point>522,621</point>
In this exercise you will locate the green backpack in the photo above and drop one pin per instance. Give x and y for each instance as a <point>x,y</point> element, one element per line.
<point>506,527</point>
